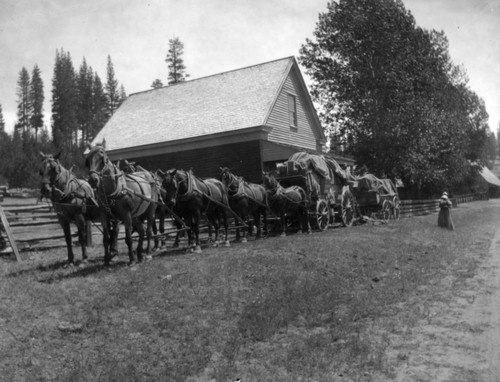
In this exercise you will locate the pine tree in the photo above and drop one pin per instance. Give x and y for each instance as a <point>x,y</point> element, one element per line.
<point>175,63</point>
<point>64,103</point>
<point>37,98</point>
<point>85,82</point>
<point>24,107</point>
<point>157,84</point>
<point>99,108</point>
<point>112,89</point>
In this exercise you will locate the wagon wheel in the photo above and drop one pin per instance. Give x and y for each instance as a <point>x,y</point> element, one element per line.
<point>322,214</point>
<point>386,211</point>
<point>347,208</point>
<point>396,208</point>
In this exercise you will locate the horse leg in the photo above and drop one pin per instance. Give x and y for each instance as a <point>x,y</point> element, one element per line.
<point>82,235</point>
<point>114,230</point>
<point>161,217</point>
<point>283,224</point>
<point>67,237</point>
<point>195,228</point>
<point>106,240</point>
<point>127,222</point>
<point>226,228</point>
<point>264,218</point>
<point>308,223</point>
<point>256,220</point>
<point>139,227</point>
<point>149,228</point>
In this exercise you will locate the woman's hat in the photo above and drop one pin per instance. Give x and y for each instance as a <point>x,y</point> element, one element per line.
<point>445,195</point>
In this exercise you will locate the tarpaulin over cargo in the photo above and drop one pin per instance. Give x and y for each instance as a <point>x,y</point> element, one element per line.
<point>324,167</point>
<point>370,182</point>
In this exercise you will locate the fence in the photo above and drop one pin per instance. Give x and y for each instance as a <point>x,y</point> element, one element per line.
<point>424,207</point>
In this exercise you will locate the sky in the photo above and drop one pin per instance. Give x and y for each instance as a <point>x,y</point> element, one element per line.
<point>218,35</point>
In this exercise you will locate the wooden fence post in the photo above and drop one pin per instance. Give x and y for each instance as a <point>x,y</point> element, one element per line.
<point>10,236</point>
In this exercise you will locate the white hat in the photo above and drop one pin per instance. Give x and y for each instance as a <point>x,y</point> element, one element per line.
<point>445,195</point>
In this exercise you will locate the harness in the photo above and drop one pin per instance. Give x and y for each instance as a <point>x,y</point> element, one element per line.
<point>240,191</point>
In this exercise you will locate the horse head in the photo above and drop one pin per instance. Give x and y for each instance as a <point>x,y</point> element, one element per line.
<point>228,178</point>
<point>170,185</point>
<point>269,181</point>
<point>50,170</point>
<point>96,161</point>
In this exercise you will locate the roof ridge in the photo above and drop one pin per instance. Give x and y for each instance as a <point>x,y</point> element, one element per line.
<point>214,75</point>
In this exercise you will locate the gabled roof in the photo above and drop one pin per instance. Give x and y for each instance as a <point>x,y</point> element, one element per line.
<point>229,101</point>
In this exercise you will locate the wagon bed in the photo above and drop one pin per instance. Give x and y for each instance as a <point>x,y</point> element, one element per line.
<point>329,196</point>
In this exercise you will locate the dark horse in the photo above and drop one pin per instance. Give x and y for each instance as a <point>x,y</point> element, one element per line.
<point>190,197</point>
<point>128,198</point>
<point>73,200</point>
<point>286,202</point>
<point>161,210</point>
<point>246,199</point>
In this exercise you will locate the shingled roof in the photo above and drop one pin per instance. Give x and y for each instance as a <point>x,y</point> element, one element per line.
<point>229,101</point>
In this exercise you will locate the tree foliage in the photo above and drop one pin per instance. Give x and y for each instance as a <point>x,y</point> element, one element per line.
<point>80,108</point>
<point>175,62</point>
<point>390,95</point>
<point>24,109</point>
<point>36,97</point>
<point>157,84</point>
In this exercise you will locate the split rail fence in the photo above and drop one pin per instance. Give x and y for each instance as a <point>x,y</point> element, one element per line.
<point>35,227</point>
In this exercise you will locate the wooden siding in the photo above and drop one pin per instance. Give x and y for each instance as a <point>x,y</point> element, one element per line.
<point>243,159</point>
<point>303,135</point>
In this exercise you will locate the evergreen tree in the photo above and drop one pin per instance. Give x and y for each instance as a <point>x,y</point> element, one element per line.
<point>37,98</point>
<point>157,84</point>
<point>123,94</point>
<point>85,87</point>
<point>112,89</point>
<point>4,149</point>
<point>99,108</point>
<point>24,107</point>
<point>175,62</point>
<point>64,104</point>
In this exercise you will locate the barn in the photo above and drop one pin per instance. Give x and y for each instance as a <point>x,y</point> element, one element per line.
<point>247,119</point>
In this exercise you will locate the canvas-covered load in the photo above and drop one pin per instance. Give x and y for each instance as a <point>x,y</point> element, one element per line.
<point>301,162</point>
<point>370,182</point>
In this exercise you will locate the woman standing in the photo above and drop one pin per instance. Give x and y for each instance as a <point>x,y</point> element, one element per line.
<point>444,218</point>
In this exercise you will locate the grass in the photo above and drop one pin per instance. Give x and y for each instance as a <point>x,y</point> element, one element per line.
<point>326,306</point>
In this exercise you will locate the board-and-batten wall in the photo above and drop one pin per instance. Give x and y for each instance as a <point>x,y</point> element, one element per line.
<point>303,135</point>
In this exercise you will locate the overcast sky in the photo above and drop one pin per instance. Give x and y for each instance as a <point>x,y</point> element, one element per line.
<point>218,35</point>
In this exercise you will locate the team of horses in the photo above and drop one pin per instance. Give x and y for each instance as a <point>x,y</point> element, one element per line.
<point>136,197</point>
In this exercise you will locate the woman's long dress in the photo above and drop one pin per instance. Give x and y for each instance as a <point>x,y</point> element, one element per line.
<point>444,218</point>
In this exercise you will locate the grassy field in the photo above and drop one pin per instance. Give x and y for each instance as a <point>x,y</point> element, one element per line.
<point>329,306</point>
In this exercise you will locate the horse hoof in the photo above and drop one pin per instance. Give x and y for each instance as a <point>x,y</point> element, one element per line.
<point>244,240</point>
<point>197,249</point>
<point>227,244</point>
<point>69,264</point>
<point>149,257</point>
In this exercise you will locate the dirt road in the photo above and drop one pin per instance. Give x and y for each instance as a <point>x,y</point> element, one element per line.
<point>460,339</point>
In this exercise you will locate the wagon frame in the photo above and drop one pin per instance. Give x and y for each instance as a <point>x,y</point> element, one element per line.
<point>375,203</point>
<point>329,200</point>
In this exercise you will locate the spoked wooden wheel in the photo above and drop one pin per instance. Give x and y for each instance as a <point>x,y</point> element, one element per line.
<point>386,211</point>
<point>322,214</point>
<point>396,208</point>
<point>347,208</point>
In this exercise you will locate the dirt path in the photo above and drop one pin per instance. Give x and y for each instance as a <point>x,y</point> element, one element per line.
<point>460,339</point>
